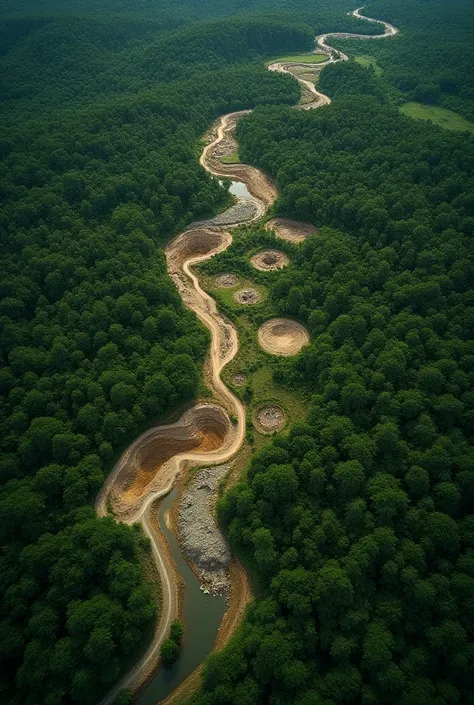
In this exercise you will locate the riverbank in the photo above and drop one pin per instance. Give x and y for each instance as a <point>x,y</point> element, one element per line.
<point>138,480</point>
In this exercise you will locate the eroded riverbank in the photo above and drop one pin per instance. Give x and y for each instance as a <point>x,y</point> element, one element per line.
<point>204,435</point>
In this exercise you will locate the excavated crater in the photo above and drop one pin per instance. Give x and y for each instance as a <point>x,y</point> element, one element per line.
<point>248,297</point>
<point>269,419</point>
<point>282,336</point>
<point>269,259</point>
<point>193,243</point>
<point>201,429</point>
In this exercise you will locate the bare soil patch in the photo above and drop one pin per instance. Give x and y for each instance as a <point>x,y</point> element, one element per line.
<point>194,243</point>
<point>248,297</point>
<point>202,429</point>
<point>282,336</point>
<point>239,379</point>
<point>227,281</point>
<point>269,260</point>
<point>269,418</point>
<point>291,230</point>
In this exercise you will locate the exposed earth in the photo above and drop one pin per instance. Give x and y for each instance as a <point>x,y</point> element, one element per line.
<point>150,466</point>
<point>282,336</point>
<point>269,259</point>
<point>269,419</point>
<point>248,297</point>
<point>199,534</point>
<point>291,230</point>
<point>239,379</point>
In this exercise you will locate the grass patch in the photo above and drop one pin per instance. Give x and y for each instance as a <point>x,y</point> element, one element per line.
<point>367,61</point>
<point>439,116</point>
<point>226,295</point>
<point>265,390</point>
<point>300,58</point>
<point>231,158</point>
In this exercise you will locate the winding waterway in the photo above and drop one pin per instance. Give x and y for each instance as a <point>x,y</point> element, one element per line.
<point>148,469</point>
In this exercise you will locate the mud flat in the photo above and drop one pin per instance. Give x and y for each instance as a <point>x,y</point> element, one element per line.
<point>282,336</point>
<point>291,230</point>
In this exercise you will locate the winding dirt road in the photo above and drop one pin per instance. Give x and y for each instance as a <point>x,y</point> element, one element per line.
<point>318,99</point>
<point>204,435</point>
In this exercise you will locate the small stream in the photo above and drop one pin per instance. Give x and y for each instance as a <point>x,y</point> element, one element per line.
<point>203,612</point>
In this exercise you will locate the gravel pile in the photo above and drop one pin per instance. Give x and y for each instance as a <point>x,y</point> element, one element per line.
<point>248,297</point>
<point>240,213</point>
<point>199,534</point>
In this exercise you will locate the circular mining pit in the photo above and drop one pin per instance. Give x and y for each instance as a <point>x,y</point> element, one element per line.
<point>268,260</point>
<point>201,429</point>
<point>269,418</point>
<point>282,336</point>
<point>247,297</point>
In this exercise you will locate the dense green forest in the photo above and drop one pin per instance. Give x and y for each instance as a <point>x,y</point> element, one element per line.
<point>431,61</point>
<point>359,524</point>
<point>98,169</point>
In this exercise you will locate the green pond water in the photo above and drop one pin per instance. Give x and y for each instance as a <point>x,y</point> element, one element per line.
<point>240,190</point>
<point>202,617</point>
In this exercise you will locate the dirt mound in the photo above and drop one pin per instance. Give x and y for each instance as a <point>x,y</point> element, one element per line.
<point>227,281</point>
<point>291,230</point>
<point>248,297</point>
<point>282,336</point>
<point>239,379</point>
<point>201,429</point>
<point>269,419</point>
<point>269,259</point>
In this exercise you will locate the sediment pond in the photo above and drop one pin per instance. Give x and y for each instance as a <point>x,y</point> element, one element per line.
<point>204,612</point>
<point>240,190</point>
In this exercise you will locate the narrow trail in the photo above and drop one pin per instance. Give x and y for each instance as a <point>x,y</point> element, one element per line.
<point>149,467</point>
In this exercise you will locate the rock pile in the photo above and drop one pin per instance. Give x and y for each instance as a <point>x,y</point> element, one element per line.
<point>248,297</point>
<point>227,281</point>
<point>241,212</point>
<point>270,419</point>
<point>199,533</point>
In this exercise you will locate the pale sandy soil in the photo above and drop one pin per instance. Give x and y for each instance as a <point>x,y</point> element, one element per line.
<point>291,230</point>
<point>282,336</point>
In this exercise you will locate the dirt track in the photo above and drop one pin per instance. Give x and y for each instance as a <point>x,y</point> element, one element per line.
<point>312,98</point>
<point>149,467</point>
